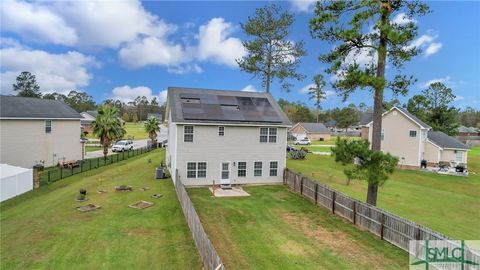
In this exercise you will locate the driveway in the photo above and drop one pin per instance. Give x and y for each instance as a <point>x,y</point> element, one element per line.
<point>136,144</point>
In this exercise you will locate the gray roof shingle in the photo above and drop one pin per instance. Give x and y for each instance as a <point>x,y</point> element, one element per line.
<point>443,140</point>
<point>195,105</point>
<point>314,127</point>
<point>24,107</point>
<point>365,118</point>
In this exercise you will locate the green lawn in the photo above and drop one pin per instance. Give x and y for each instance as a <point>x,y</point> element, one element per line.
<point>135,131</point>
<point>447,204</point>
<point>92,148</point>
<point>278,229</point>
<point>42,229</point>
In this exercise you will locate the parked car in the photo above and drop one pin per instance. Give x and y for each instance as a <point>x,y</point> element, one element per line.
<point>121,146</point>
<point>304,141</point>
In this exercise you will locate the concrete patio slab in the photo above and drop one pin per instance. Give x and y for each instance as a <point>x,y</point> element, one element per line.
<point>234,192</point>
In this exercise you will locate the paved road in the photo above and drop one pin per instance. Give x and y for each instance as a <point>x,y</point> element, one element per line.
<point>136,144</point>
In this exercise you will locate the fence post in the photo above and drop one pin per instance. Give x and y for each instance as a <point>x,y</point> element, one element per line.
<point>81,166</point>
<point>72,169</point>
<point>89,164</point>
<point>295,182</point>
<point>98,162</point>
<point>316,193</point>
<point>354,212</point>
<point>301,186</point>
<point>417,233</point>
<point>333,202</point>
<point>382,225</point>
<point>48,176</point>
<point>61,172</point>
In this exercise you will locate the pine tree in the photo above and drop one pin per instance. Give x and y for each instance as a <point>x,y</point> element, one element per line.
<point>316,93</point>
<point>125,117</point>
<point>26,85</point>
<point>135,118</point>
<point>364,28</point>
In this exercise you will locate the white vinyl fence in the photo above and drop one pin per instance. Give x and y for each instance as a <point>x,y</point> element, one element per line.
<point>14,181</point>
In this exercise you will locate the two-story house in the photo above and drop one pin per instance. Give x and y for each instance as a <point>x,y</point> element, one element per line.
<point>412,140</point>
<point>230,137</point>
<point>34,130</point>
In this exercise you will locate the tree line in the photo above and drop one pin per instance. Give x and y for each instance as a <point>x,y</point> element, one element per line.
<point>136,110</point>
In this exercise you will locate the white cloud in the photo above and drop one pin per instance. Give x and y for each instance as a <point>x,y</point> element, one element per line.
<point>433,48</point>
<point>126,93</point>
<point>402,18</point>
<point>426,42</point>
<point>303,5</point>
<point>249,88</point>
<point>444,80</point>
<point>54,72</point>
<point>184,69</point>
<point>151,51</point>
<point>37,22</point>
<point>84,23</point>
<point>216,45</point>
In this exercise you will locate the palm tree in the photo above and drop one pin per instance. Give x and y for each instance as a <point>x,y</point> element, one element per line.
<point>152,125</point>
<point>107,127</point>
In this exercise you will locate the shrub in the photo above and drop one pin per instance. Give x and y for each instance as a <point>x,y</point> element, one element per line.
<point>81,197</point>
<point>83,191</point>
<point>297,154</point>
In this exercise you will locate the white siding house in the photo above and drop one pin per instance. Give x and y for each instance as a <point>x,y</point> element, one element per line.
<point>230,137</point>
<point>34,130</point>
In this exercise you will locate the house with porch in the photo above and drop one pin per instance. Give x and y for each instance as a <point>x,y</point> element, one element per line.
<point>412,140</point>
<point>226,137</point>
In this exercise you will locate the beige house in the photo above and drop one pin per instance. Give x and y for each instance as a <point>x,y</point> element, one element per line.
<point>34,130</point>
<point>230,137</point>
<point>412,140</point>
<point>313,131</point>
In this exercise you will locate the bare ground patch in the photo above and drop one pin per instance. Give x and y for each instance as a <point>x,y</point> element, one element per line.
<point>339,242</point>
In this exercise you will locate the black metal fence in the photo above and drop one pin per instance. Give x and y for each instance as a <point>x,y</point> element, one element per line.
<point>52,174</point>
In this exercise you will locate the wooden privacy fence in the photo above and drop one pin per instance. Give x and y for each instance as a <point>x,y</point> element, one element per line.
<point>209,255</point>
<point>387,226</point>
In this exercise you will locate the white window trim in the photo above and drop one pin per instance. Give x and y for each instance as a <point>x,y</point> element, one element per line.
<point>276,135</point>
<point>260,134</point>
<point>269,167</point>
<point>45,126</point>
<point>223,131</point>
<point>246,167</point>
<point>410,134</point>
<point>254,168</point>
<point>196,169</point>
<point>193,133</point>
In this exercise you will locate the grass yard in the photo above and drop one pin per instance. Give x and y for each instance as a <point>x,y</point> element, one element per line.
<point>135,131</point>
<point>447,204</point>
<point>275,228</point>
<point>43,230</point>
<point>92,148</point>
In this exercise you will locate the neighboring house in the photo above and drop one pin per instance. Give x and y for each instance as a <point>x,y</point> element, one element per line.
<point>87,118</point>
<point>464,131</point>
<point>34,130</point>
<point>331,124</point>
<point>365,118</point>
<point>411,140</point>
<point>313,131</point>
<point>230,137</point>
<point>156,115</point>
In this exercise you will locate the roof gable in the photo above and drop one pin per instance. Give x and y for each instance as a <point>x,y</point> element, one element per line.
<point>12,107</point>
<point>407,114</point>
<point>194,105</point>
<point>314,127</point>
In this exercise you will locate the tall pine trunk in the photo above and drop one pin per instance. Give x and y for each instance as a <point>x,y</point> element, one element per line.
<point>378,97</point>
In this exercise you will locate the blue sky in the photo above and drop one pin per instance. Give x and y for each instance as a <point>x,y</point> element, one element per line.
<point>121,49</point>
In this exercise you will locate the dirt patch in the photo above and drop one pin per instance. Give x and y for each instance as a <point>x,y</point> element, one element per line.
<point>340,243</point>
<point>139,232</point>
<point>140,205</point>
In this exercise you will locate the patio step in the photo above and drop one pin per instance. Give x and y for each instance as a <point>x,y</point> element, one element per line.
<point>226,186</point>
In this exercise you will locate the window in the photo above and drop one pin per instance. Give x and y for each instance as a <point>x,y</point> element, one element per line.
<point>242,169</point>
<point>458,156</point>
<point>196,169</point>
<point>257,168</point>
<point>48,126</point>
<point>268,135</point>
<point>191,170</point>
<point>273,168</point>
<point>188,133</point>
<point>382,135</point>
<point>413,133</point>
<point>272,135</point>
<point>221,131</point>
<point>263,134</point>
<point>202,170</point>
